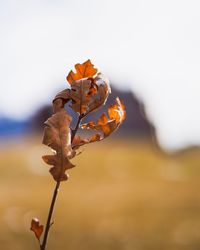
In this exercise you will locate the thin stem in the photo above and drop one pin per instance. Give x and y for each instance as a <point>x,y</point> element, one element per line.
<point>48,223</point>
<point>55,194</point>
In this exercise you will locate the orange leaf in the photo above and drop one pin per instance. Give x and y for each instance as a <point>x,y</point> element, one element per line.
<point>95,137</point>
<point>117,111</point>
<point>36,228</point>
<point>84,70</point>
<point>117,114</point>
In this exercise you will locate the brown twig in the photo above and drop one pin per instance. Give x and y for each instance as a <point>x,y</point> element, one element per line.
<point>48,223</point>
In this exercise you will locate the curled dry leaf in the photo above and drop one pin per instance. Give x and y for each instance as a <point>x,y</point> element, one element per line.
<point>117,111</point>
<point>87,95</point>
<point>101,95</point>
<point>88,92</point>
<point>36,228</point>
<point>94,138</point>
<point>117,114</point>
<point>80,95</point>
<point>78,141</point>
<point>57,135</point>
<point>60,100</point>
<point>84,70</point>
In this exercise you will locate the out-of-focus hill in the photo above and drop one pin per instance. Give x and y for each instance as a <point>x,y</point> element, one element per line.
<point>136,123</point>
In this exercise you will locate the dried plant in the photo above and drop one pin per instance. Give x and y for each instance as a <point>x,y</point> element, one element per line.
<point>89,91</point>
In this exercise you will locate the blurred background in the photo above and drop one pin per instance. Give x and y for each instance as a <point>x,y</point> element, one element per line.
<point>136,190</point>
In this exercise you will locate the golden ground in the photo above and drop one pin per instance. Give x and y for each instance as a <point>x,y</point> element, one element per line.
<point>123,195</point>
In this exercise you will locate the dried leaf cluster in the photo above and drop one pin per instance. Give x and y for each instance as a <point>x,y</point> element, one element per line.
<point>88,92</point>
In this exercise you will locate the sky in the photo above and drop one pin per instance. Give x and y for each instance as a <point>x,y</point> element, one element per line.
<point>151,47</point>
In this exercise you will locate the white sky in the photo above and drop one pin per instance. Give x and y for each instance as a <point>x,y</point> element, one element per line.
<point>153,47</point>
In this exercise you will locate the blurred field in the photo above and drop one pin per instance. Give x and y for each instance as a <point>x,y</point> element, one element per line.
<point>123,195</point>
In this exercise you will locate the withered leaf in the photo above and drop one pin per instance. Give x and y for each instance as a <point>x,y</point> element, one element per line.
<point>60,100</point>
<point>78,141</point>
<point>84,70</point>
<point>89,94</point>
<point>107,125</point>
<point>80,95</point>
<point>57,136</point>
<point>101,95</point>
<point>95,137</point>
<point>60,163</point>
<point>36,228</point>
